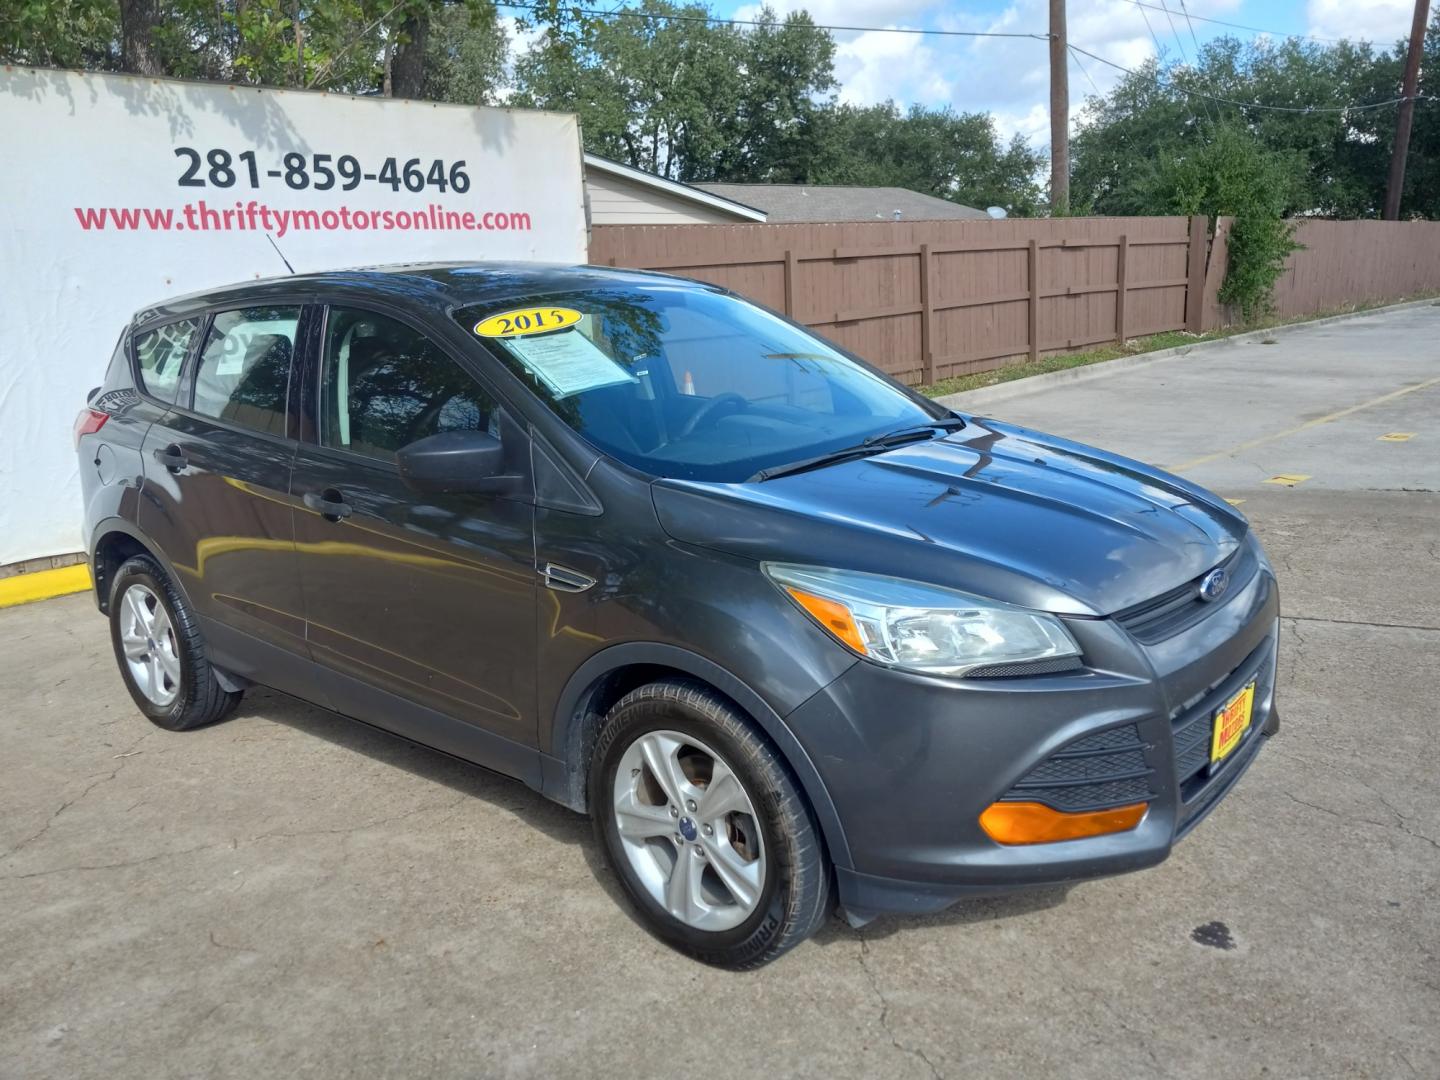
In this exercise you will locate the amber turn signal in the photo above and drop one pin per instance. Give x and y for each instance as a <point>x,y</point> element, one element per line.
<point>1036,823</point>
<point>832,615</point>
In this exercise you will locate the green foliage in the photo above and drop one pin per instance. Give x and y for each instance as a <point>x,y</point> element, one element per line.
<point>956,156</point>
<point>60,33</point>
<point>699,102</point>
<point>1340,159</point>
<point>684,98</point>
<point>1231,174</point>
<point>465,55</point>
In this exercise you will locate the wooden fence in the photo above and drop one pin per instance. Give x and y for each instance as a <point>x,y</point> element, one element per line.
<point>933,299</point>
<point>1355,262</point>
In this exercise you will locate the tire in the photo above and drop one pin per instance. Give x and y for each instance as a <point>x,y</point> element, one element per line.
<point>167,672</point>
<point>761,881</point>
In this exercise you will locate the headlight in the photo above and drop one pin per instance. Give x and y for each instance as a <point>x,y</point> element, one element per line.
<point>918,627</point>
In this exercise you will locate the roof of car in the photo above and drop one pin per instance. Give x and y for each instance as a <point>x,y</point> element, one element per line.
<point>437,286</point>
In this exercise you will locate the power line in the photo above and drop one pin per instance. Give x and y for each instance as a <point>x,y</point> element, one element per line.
<point>752,22</point>
<point>1185,59</point>
<point>1254,104</point>
<point>1242,26</point>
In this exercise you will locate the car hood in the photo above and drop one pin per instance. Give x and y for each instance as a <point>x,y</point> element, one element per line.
<point>994,510</point>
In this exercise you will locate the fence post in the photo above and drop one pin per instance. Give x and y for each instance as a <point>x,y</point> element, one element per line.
<point>927,319</point>
<point>1195,288</point>
<point>1034,266</point>
<point>1121,285</point>
<point>789,283</point>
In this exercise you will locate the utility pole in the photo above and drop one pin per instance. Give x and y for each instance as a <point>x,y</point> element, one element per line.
<point>1060,110</point>
<point>1407,110</point>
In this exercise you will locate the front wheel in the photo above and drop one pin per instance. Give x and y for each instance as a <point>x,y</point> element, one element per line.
<point>706,827</point>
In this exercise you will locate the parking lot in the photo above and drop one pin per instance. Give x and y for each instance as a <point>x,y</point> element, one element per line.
<point>290,893</point>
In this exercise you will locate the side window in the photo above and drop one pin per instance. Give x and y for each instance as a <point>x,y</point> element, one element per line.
<point>384,385</point>
<point>161,353</point>
<point>244,369</point>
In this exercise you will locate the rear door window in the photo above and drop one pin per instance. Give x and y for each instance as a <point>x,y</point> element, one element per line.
<point>160,354</point>
<point>244,369</point>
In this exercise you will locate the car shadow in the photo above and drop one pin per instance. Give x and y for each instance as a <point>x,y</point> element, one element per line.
<point>464,777</point>
<point>568,827</point>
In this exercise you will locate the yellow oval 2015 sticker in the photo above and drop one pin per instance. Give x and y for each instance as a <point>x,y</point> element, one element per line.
<point>536,320</point>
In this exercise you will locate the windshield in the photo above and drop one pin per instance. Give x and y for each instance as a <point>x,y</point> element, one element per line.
<point>689,383</point>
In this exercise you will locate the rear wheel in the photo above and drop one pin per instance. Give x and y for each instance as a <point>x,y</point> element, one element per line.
<point>706,827</point>
<point>161,652</point>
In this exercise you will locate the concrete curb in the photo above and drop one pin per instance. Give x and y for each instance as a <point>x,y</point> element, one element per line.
<point>969,400</point>
<point>43,584</point>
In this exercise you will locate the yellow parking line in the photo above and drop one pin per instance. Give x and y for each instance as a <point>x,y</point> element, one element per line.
<point>43,584</point>
<point>1289,479</point>
<point>1396,436</point>
<point>1238,447</point>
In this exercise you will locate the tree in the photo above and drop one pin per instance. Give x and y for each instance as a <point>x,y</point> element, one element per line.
<point>1229,173</point>
<point>1339,156</point>
<point>60,33</point>
<point>466,57</point>
<point>684,98</point>
<point>955,156</point>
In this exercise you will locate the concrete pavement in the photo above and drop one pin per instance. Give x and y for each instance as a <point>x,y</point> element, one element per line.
<point>292,893</point>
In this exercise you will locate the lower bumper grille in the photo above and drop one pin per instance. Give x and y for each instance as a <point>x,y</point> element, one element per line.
<point>1100,770</point>
<point>1192,724</point>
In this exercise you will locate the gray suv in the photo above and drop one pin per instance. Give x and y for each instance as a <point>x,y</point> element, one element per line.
<point>795,636</point>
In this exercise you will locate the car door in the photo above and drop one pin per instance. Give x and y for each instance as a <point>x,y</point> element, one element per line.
<point>420,606</point>
<point>216,493</point>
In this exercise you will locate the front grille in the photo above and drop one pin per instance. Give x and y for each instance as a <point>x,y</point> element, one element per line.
<point>1166,615</point>
<point>1192,723</point>
<point>1095,772</point>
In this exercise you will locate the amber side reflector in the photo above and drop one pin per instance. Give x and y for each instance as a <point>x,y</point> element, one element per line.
<point>1036,823</point>
<point>832,615</point>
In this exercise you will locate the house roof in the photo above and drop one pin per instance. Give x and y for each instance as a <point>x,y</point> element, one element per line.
<point>714,199</point>
<point>823,202</point>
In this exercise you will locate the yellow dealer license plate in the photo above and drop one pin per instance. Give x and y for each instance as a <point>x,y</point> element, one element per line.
<point>1232,720</point>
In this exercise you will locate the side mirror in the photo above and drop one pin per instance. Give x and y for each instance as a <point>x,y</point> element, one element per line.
<point>456,463</point>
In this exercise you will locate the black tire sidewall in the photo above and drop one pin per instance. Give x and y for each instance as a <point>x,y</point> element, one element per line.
<point>755,935</point>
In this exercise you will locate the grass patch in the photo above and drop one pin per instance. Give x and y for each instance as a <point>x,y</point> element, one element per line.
<point>1169,340</point>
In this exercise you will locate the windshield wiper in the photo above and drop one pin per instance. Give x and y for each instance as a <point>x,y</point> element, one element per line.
<point>948,423</point>
<point>875,444</point>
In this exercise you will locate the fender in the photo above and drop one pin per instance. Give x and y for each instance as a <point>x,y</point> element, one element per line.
<point>130,529</point>
<point>564,767</point>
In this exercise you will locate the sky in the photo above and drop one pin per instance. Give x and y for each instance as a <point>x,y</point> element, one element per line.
<point>1009,78</point>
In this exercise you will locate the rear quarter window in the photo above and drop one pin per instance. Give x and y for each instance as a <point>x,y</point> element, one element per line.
<point>160,354</point>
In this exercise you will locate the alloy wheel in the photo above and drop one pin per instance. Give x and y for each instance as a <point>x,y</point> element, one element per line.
<point>147,638</point>
<point>689,830</point>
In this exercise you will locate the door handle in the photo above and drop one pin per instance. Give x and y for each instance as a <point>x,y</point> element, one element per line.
<point>329,504</point>
<point>172,457</point>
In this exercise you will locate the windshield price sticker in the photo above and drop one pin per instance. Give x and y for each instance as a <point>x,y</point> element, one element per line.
<point>567,363</point>
<point>523,321</point>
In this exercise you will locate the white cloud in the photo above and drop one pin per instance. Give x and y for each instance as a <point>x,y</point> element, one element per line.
<point>874,67</point>
<point>1380,21</point>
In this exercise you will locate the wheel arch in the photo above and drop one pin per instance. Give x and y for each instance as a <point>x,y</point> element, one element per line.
<point>112,542</point>
<point>610,674</point>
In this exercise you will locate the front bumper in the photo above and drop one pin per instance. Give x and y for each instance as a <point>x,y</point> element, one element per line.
<point>910,762</point>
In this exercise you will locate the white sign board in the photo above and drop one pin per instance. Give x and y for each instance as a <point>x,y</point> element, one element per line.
<point>119,192</point>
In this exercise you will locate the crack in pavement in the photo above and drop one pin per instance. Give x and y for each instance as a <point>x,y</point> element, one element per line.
<point>1358,622</point>
<point>122,757</point>
<point>234,843</point>
<point>1401,824</point>
<point>914,1052</point>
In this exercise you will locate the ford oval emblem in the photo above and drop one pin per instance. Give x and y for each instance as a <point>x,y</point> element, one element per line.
<point>1214,584</point>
